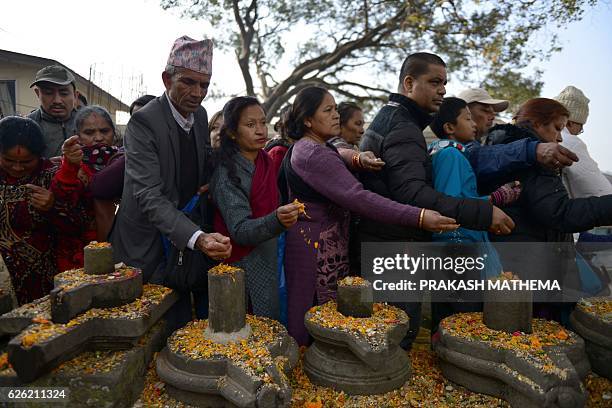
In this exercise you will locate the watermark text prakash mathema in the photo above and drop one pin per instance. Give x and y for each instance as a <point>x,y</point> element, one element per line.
<point>459,265</point>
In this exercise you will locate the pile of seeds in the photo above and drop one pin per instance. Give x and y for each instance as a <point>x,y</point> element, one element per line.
<point>4,363</point>
<point>373,329</point>
<point>353,281</point>
<point>504,276</point>
<point>40,307</point>
<point>96,244</point>
<point>545,333</point>
<point>88,362</point>
<point>152,295</point>
<point>252,354</point>
<point>223,269</point>
<point>91,362</point>
<point>77,277</point>
<point>599,391</point>
<point>426,388</point>
<point>600,307</point>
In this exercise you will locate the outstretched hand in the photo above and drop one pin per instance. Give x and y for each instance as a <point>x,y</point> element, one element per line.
<point>435,222</point>
<point>214,245</point>
<point>370,162</point>
<point>554,156</point>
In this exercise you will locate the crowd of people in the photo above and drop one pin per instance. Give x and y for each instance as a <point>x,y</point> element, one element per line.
<point>181,193</point>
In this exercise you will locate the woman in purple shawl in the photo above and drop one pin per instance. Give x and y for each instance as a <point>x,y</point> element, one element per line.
<point>316,255</point>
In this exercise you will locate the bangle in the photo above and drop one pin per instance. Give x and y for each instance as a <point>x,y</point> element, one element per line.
<point>421,218</point>
<point>356,161</point>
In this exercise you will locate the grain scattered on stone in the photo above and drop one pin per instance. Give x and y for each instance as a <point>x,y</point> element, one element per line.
<point>152,295</point>
<point>223,269</point>
<point>353,281</point>
<point>372,329</point>
<point>251,354</point>
<point>471,327</point>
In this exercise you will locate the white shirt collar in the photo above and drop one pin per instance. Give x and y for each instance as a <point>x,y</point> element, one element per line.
<point>185,123</point>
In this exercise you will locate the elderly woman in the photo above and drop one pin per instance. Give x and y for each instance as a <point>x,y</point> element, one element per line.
<point>544,212</point>
<point>106,169</point>
<point>96,134</point>
<point>317,246</point>
<point>244,190</point>
<point>33,207</point>
<point>351,126</point>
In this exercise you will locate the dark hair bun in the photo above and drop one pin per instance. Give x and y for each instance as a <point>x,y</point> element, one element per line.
<point>295,130</point>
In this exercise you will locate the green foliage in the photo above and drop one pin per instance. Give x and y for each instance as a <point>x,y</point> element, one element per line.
<point>514,87</point>
<point>341,42</point>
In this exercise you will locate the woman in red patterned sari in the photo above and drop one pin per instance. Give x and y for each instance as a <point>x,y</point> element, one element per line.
<point>32,208</point>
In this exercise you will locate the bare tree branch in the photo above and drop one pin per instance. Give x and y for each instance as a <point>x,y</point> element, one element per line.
<point>243,54</point>
<point>326,60</point>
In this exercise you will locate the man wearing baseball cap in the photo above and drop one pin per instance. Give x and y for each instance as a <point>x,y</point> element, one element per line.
<point>498,164</point>
<point>483,109</point>
<point>167,149</point>
<point>55,88</point>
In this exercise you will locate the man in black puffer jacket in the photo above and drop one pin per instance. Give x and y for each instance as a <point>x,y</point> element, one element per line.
<point>396,136</point>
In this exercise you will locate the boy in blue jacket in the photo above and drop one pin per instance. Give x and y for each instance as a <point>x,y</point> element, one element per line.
<point>454,176</point>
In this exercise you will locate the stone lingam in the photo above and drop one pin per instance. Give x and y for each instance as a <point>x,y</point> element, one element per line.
<point>356,342</point>
<point>98,284</point>
<point>528,362</point>
<point>87,313</point>
<point>232,359</point>
<point>592,320</point>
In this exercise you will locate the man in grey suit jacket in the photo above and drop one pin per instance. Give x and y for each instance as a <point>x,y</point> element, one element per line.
<point>167,151</point>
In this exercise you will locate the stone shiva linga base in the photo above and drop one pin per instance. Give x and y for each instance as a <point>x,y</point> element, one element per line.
<point>592,320</point>
<point>42,345</point>
<point>101,378</point>
<point>356,343</point>
<point>232,359</point>
<point>527,362</point>
<point>78,290</point>
<point>99,284</point>
<point>100,354</point>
